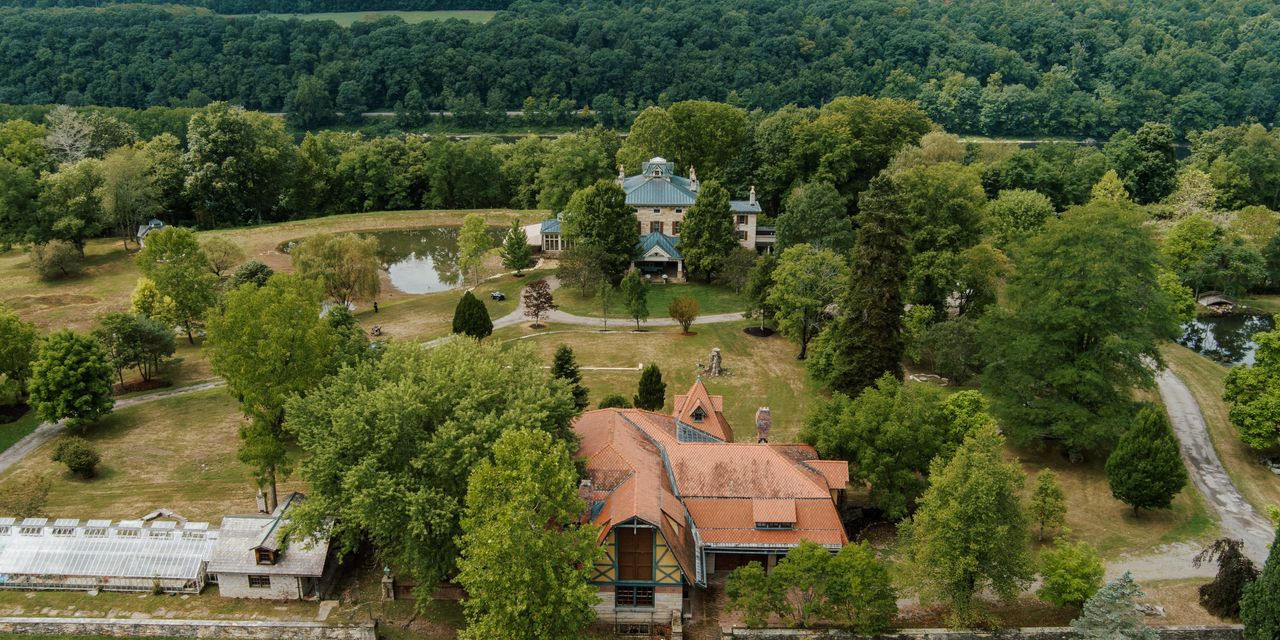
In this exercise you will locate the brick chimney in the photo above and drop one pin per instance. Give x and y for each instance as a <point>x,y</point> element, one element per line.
<point>622,176</point>
<point>693,179</point>
<point>751,199</point>
<point>764,422</point>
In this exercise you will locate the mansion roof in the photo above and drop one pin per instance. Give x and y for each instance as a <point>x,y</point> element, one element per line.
<point>657,185</point>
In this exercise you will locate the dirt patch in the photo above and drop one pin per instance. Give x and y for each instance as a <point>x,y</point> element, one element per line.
<point>140,385</point>
<point>11,412</point>
<point>47,301</point>
<point>758,332</point>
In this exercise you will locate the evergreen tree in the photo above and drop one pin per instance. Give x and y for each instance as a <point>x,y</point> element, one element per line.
<point>1145,470</point>
<point>565,367</point>
<point>652,392</point>
<point>866,338</point>
<point>1109,189</point>
<point>471,317</point>
<point>1260,605</point>
<point>1048,507</point>
<point>516,253</point>
<point>635,296</point>
<point>1235,573</point>
<point>708,233</point>
<point>1110,614</point>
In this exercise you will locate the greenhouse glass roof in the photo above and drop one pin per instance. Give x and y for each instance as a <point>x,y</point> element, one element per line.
<point>97,549</point>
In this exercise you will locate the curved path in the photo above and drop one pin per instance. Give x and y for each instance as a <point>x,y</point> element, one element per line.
<point>50,430</point>
<point>517,316</point>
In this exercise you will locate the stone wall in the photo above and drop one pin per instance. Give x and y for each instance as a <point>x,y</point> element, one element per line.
<point>128,628</point>
<point>236,585</point>
<point>1207,632</point>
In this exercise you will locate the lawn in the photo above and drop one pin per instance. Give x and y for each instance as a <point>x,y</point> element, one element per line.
<point>178,453</point>
<point>420,317</point>
<point>348,18</point>
<point>17,430</point>
<point>711,299</point>
<point>1205,379</point>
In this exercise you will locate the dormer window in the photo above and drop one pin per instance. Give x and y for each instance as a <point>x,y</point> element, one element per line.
<point>699,415</point>
<point>777,526</point>
<point>266,556</point>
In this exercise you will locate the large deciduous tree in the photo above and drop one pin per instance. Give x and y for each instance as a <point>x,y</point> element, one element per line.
<point>71,380</point>
<point>708,233</point>
<point>135,342</point>
<point>814,213</point>
<point>1015,214</point>
<point>1146,161</point>
<point>473,243</point>
<point>651,135</point>
<point>19,343</point>
<point>176,263</point>
<point>970,532</point>
<point>1084,315</point>
<point>391,442</point>
<point>806,282</point>
<point>237,164</point>
<point>70,204</point>
<point>1145,470</point>
<point>1253,394</point>
<point>270,343</point>
<point>523,511</point>
<point>346,265</point>
<point>128,193</point>
<point>597,217</point>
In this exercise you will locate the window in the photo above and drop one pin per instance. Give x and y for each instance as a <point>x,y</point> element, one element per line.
<point>159,534</point>
<point>655,227</point>
<point>633,597</point>
<point>193,535</point>
<point>95,532</point>
<point>635,554</point>
<point>679,210</point>
<point>266,556</point>
<point>30,531</point>
<point>742,219</point>
<point>774,525</point>
<point>212,578</point>
<point>4,531</point>
<point>699,415</point>
<point>657,210</point>
<point>742,235</point>
<point>127,533</point>
<point>675,227</point>
<point>64,531</point>
<point>259,582</point>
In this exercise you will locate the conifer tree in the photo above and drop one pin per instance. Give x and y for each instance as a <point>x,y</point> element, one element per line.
<point>1110,614</point>
<point>1260,605</point>
<point>1048,504</point>
<point>1235,572</point>
<point>516,253</point>
<point>866,339</point>
<point>1145,470</point>
<point>652,392</point>
<point>565,367</point>
<point>471,317</point>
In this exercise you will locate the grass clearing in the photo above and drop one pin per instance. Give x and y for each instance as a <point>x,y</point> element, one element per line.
<point>1206,378</point>
<point>17,430</point>
<point>348,18</point>
<point>711,299</point>
<point>178,453</point>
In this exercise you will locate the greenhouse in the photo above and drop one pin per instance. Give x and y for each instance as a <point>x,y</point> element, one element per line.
<point>130,555</point>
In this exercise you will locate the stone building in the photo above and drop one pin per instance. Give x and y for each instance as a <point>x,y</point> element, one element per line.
<point>251,558</point>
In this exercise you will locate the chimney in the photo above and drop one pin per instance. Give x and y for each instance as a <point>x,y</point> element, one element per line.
<point>764,422</point>
<point>751,199</point>
<point>693,179</point>
<point>622,176</point>
<point>585,490</point>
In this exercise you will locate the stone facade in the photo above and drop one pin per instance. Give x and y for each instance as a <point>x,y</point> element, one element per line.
<point>131,628</point>
<point>1199,632</point>
<point>236,585</point>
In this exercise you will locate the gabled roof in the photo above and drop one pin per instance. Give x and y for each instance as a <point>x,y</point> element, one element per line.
<point>657,185</point>
<point>744,206</point>
<point>240,536</point>
<point>656,241</point>
<point>713,421</point>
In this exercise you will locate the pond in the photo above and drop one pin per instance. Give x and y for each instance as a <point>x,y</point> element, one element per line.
<point>420,260</point>
<point>1226,339</point>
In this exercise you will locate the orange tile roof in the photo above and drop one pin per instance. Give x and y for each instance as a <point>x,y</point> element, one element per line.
<point>713,421</point>
<point>727,522</point>
<point>835,471</point>
<point>773,510</point>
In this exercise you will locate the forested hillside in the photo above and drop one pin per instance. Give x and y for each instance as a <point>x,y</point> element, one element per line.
<point>279,6</point>
<point>1073,67</point>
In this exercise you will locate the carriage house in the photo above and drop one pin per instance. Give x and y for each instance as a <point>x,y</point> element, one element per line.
<point>660,199</point>
<point>679,504</point>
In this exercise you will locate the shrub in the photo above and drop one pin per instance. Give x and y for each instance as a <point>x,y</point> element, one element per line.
<point>614,401</point>
<point>683,309</point>
<point>56,259</point>
<point>1235,572</point>
<point>79,456</point>
<point>1072,573</point>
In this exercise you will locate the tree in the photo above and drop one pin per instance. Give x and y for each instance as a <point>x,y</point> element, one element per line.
<point>806,283</point>
<point>516,253</point>
<point>147,301</point>
<point>346,265</point>
<point>651,135</point>
<point>309,105</point>
<point>128,193</point>
<point>1145,470</point>
<point>565,367</point>
<point>537,301</point>
<point>471,318</point>
<point>175,262</point>
<point>736,268</point>
<point>614,401</point>
<point>70,136</point>
<point>1061,367</point>
<point>651,394</point>
<point>473,243</point>
<point>1015,214</point>
<point>1260,604</point>
<point>237,164</point>
<point>866,336</point>
<point>1236,572</point>
<point>753,592</point>
<point>69,206</point>
<point>134,342</point>
<point>708,233</point>
<point>635,296</point>
<point>1253,392</point>
<point>758,288</point>
<point>970,532</point>
<point>814,213</point>
<point>19,344</point>
<point>18,192</point>
<point>708,135</point>
<point>853,138</point>
<point>802,577</point>
<point>860,592</point>
<point>1109,189</point>
<point>390,442</point>
<point>350,102</point>
<point>581,268</point>
<point>684,310</point>
<point>1145,160</point>
<point>575,162</point>
<point>1187,245</point>
<point>1110,613</point>
<point>890,433</point>
<point>270,344</point>
<point>1071,573</point>
<point>251,272</point>
<point>1194,193</point>
<point>71,380</point>
<point>1048,508</point>
<point>523,509</point>
<point>56,259</point>
<point>597,217</point>
<point>79,456</point>
<point>223,255</point>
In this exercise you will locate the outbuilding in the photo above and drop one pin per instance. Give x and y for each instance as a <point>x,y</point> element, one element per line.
<point>253,559</point>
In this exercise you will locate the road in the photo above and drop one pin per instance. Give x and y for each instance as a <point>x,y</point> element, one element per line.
<point>517,316</point>
<point>50,430</point>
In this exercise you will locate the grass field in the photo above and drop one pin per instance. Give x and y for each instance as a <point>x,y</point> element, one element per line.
<point>16,430</point>
<point>348,18</point>
<point>1205,379</point>
<point>711,299</point>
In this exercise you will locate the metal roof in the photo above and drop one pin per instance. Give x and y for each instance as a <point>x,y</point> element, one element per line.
<point>99,551</point>
<point>668,191</point>
<point>744,206</point>
<point>551,226</point>
<point>665,243</point>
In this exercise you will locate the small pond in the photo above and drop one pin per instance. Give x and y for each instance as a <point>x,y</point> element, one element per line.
<point>421,260</point>
<point>1226,339</point>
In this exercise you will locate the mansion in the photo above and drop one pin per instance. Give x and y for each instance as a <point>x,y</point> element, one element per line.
<point>679,504</point>
<point>660,199</point>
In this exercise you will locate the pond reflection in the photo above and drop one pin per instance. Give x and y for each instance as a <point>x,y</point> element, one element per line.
<point>1227,339</point>
<point>421,260</point>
